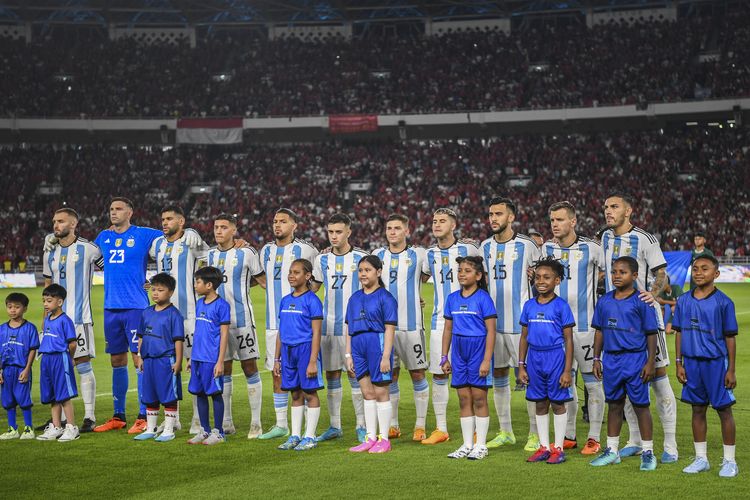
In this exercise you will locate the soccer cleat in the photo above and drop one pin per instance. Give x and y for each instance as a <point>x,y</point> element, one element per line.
<point>51,433</point>
<point>592,447</point>
<point>255,431</point>
<point>330,433</point>
<point>630,450</point>
<point>361,434</point>
<point>394,432</point>
<point>195,427</point>
<point>532,443</point>
<point>608,457</point>
<point>369,443</point>
<point>478,453</point>
<point>11,434</point>
<point>307,443</point>
<point>145,435</point>
<point>700,464</point>
<point>569,444</point>
<point>28,433</point>
<point>69,434</point>
<point>274,433</point>
<point>113,424</point>
<point>668,458</point>
<point>462,452</point>
<point>648,461</point>
<point>502,439</point>
<point>728,469</point>
<point>229,428</point>
<point>163,438</point>
<point>290,444</point>
<point>198,438</point>
<point>177,427</point>
<point>87,426</point>
<point>138,427</point>
<point>436,437</point>
<point>43,427</point>
<point>214,438</point>
<point>419,434</point>
<point>542,454</point>
<point>381,446</point>
<point>556,456</point>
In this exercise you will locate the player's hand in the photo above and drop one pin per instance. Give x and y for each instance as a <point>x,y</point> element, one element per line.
<point>187,366</point>
<point>147,286</point>
<point>681,374</point>
<point>240,243</point>
<point>1,377</point>
<point>523,375</point>
<point>23,377</point>
<point>219,369</point>
<point>566,380</point>
<point>385,365</point>
<point>446,367</point>
<point>597,369</point>
<point>647,297</point>
<point>277,369</point>
<point>177,368</point>
<point>50,242</point>
<point>312,369</point>
<point>191,238</point>
<point>138,362</point>
<point>326,250</point>
<point>484,369</point>
<point>648,372</point>
<point>730,380</point>
<point>350,366</point>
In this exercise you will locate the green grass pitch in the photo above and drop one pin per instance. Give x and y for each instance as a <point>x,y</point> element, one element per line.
<point>115,466</point>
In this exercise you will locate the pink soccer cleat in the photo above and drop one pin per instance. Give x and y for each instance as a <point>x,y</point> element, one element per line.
<point>382,446</point>
<point>362,447</point>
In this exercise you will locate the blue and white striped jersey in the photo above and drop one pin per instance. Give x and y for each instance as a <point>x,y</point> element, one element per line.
<point>340,279</point>
<point>402,275</point>
<point>179,261</point>
<point>636,243</point>
<point>239,266</point>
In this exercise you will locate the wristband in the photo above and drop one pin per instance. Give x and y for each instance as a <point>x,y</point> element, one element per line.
<point>597,359</point>
<point>347,355</point>
<point>443,359</point>
<point>277,360</point>
<point>678,360</point>
<point>521,363</point>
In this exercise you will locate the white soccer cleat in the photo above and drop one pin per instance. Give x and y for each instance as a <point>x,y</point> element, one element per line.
<point>177,427</point>
<point>69,434</point>
<point>255,431</point>
<point>478,453</point>
<point>228,427</point>
<point>214,438</point>
<point>51,433</point>
<point>198,438</point>
<point>195,427</point>
<point>462,452</point>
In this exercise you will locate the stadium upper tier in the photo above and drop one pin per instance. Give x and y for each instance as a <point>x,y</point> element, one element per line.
<point>682,181</point>
<point>247,75</point>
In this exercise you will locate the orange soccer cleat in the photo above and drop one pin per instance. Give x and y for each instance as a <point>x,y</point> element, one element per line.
<point>592,447</point>
<point>113,424</point>
<point>138,427</point>
<point>436,437</point>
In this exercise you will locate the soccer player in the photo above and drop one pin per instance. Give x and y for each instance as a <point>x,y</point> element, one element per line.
<point>626,331</point>
<point>174,257</point>
<point>57,381</point>
<point>337,273</point>
<point>404,280</point>
<point>440,263</point>
<point>71,264</point>
<point>19,341</point>
<point>545,355</point>
<point>241,270</point>
<point>371,316</point>
<point>210,343</point>
<point>622,238</point>
<point>705,352</point>
<point>160,338</point>
<point>583,261</point>
<point>508,258</point>
<point>469,335</point>
<point>276,260</point>
<point>297,354</point>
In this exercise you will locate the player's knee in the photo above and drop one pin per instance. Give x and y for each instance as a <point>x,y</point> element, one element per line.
<point>417,375</point>
<point>335,375</point>
<point>700,410</point>
<point>501,372</point>
<point>84,368</point>
<point>81,360</point>
<point>557,408</point>
<point>464,398</point>
<point>250,367</point>
<point>297,396</point>
<point>660,372</point>
<point>479,401</point>
<point>725,413</point>
<point>228,367</point>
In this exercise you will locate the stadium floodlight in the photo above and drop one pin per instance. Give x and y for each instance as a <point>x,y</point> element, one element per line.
<point>221,77</point>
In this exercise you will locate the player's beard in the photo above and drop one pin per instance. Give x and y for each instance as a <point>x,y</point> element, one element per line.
<point>62,234</point>
<point>500,229</point>
<point>171,232</point>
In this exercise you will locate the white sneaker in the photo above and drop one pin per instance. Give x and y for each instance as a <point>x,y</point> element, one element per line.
<point>214,438</point>
<point>51,433</point>
<point>462,452</point>
<point>177,427</point>
<point>11,434</point>
<point>70,434</point>
<point>195,427</point>
<point>229,428</point>
<point>255,431</point>
<point>478,453</point>
<point>198,438</point>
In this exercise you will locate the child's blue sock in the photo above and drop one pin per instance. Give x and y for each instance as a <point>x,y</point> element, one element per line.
<point>218,412</point>
<point>27,417</point>
<point>12,418</point>
<point>142,407</point>
<point>203,412</point>
<point>119,389</point>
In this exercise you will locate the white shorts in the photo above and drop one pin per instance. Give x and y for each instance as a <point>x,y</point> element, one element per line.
<point>409,348</point>
<point>85,341</point>
<point>243,344</point>
<point>332,350</point>
<point>436,350</point>
<point>506,349</point>
<point>271,336</point>
<point>189,327</point>
<point>662,353</point>
<point>583,351</point>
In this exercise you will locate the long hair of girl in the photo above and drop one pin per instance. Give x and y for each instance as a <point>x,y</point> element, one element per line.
<point>307,267</point>
<point>478,264</point>
<point>375,262</point>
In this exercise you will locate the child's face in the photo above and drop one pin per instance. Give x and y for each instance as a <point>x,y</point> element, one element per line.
<point>368,275</point>
<point>297,276</point>
<point>51,304</point>
<point>622,276</point>
<point>467,275</point>
<point>160,294</point>
<point>201,287</point>
<point>704,272</point>
<point>15,310</point>
<point>545,280</point>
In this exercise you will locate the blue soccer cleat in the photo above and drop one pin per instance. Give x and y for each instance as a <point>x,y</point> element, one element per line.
<point>700,464</point>
<point>145,436</point>
<point>630,451</point>
<point>728,469</point>
<point>608,457</point>
<point>361,434</point>
<point>290,443</point>
<point>668,458</point>
<point>163,438</point>
<point>330,433</point>
<point>307,443</point>
<point>648,461</point>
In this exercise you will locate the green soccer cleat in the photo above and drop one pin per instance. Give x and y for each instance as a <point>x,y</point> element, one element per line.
<point>502,439</point>
<point>532,443</point>
<point>28,433</point>
<point>608,457</point>
<point>11,434</point>
<point>307,443</point>
<point>274,433</point>
<point>648,461</point>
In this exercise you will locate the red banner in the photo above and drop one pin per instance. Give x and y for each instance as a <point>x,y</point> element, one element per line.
<point>350,124</point>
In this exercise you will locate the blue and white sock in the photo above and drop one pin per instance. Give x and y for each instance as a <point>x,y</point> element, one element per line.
<point>280,403</point>
<point>395,395</point>
<point>421,401</point>
<point>255,396</point>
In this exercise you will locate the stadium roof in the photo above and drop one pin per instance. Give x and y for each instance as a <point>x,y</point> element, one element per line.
<point>228,12</point>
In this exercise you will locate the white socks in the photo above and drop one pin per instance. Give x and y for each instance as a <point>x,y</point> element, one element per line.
<point>467,431</point>
<point>701,449</point>
<point>255,396</point>
<point>384,418</point>
<point>596,408</point>
<point>313,414</point>
<point>630,417</point>
<point>152,418</point>
<point>729,452</point>
<point>542,423</point>
<point>170,417</point>
<point>196,419</point>
<point>395,397</point>
<point>226,395</point>
<point>560,422</point>
<point>666,405</point>
<point>531,410</point>
<point>482,425</point>
<point>440,397</point>
<point>298,413</point>
<point>502,407</point>
<point>359,409</point>
<point>88,393</point>
<point>648,446</point>
<point>421,401</point>
<point>613,443</point>
<point>334,397</point>
<point>371,416</point>
<point>571,409</point>
<point>304,412</point>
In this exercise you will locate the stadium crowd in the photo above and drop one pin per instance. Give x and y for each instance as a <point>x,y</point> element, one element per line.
<point>244,74</point>
<point>666,173</point>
